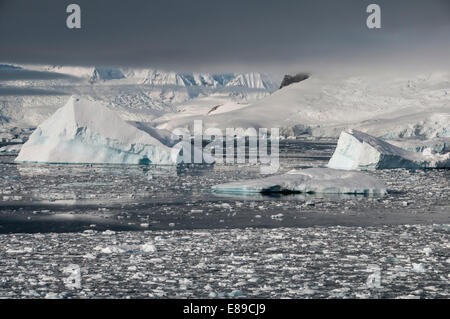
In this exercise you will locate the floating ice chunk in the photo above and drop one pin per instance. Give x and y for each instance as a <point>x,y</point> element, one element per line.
<point>311,180</point>
<point>374,279</point>
<point>53,295</point>
<point>110,249</point>
<point>148,248</point>
<point>357,150</point>
<point>11,148</point>
<point>73,281</point>
<point>84,131</point>
<point>418,268</point>
<point>277,217</point>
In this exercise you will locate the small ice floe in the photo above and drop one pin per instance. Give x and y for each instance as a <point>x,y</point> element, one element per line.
<point>418,268</point>
<point>11,149</point>
<point>148,248</point>
<point>374,279</point>
<point>53,295</point>
<point>73,279</point>
<point>23,250</point>
<point>89,256</point>
<point>306,290</point>
<point>311,180</point>
<point>277,216</point>
<point>110,249</point>
<point>126,248</point>
<point>427,251</point>
<point>357,150</point>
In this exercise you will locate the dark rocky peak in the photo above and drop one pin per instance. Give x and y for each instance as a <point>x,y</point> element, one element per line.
<point>289,79</point>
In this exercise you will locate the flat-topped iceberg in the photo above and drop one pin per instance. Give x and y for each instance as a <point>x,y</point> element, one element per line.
<point>357,150</point>
<point>84,131</point>
<point>311,180</point>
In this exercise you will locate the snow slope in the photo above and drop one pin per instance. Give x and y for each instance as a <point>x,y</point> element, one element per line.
<point>357,150</point>
<point>325,104</point>
<point>87,132</point>
<point>311,180</point>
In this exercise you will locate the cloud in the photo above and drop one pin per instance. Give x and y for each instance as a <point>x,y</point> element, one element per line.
<point>223,35</point>
<point>20,74</point>
<point>16,91</point>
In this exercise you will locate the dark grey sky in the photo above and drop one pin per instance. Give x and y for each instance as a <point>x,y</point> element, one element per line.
<point>232,35</point>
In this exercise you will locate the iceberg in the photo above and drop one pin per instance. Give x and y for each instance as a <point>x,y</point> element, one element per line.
<point>311,180</point>
<point>85,131</point>
<point>357,150</point>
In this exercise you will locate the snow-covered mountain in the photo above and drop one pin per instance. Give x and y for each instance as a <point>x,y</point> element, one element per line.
<point>137,94</point>
<point>323,105</point>
<point>155,77</point>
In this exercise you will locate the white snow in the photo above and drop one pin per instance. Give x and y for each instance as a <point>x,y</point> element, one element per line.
<point>393,106</point>
<point>87,132</point>
<point>357,150</point>
<point>311,180</point>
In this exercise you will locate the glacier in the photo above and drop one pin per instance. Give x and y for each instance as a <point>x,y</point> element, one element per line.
<point>356,150</point>
<point>85,131</point>
<point>405,105</point>
<point>311,180</point>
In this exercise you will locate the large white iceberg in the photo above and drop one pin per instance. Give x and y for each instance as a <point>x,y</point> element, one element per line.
<point>311,180</point>
<point>84,131</point>
<point>357,150</point>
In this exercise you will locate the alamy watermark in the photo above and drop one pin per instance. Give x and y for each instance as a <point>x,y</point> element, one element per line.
<point>73,20</point>
<point>234,145</point>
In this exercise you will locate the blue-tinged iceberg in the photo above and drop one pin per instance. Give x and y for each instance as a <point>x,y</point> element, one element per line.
<point>311,180</point>
<point>84,131</point>
<point>356,150</point>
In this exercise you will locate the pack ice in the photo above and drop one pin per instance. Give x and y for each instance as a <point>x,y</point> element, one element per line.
<point>357,150</point>
<point>311,180</point>
<point>84,131</point>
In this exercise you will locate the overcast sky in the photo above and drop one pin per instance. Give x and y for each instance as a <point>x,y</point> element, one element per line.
<point>226,35</point>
